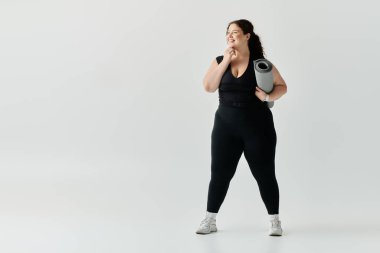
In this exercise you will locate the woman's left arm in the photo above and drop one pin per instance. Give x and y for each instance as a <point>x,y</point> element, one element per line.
<point>280,87</point>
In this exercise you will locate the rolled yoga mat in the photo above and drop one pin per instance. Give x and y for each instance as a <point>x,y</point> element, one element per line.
<point>264,76</point>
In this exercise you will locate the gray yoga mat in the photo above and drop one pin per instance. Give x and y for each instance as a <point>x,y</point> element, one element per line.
<point>264,76</point>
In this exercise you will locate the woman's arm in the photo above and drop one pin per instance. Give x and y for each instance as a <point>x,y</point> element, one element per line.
<point>213,75</point>
<point>280,87</point>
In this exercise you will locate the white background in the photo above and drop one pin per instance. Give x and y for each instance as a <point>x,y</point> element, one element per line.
<point>106,129</point>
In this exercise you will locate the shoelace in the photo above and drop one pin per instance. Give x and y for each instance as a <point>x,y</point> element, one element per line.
<point>276,223</point>
<point>206,221</point>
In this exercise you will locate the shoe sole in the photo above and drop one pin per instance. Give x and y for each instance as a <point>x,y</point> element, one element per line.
<point>205,233</point>
<point>276,233</point>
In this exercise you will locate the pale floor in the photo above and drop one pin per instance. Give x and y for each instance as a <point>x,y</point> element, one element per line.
<point>102,233</point>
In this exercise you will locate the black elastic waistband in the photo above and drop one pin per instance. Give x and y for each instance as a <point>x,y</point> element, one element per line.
<point>248,104</point>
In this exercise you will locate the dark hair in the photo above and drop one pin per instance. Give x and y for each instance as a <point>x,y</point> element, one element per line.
<point>255,48</point>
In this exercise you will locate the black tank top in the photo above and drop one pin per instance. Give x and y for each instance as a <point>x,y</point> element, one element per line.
<point>238,91</point>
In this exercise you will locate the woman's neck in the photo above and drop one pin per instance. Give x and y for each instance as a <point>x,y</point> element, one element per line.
<point>242,54</point>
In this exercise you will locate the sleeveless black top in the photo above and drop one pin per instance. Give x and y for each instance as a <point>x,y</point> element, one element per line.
<point>239,91</point>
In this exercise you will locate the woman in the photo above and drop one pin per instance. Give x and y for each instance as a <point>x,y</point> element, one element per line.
<point>243,123</point>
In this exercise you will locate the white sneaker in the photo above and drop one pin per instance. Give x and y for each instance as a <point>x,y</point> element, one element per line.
<point>207,226</point>
<point>275,228</point>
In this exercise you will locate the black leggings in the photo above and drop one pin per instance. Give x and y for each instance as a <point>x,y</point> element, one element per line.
<point>250,130</point>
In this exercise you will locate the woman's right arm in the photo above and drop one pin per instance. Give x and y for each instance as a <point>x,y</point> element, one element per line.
<point>214,74</point>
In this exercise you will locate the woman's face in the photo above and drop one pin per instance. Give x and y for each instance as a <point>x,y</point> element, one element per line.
<point>235,36</point>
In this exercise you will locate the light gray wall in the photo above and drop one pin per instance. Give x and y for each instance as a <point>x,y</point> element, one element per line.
<point>103,110</point>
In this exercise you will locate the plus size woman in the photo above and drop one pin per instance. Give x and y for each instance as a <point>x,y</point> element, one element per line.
<point>243,124</point>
